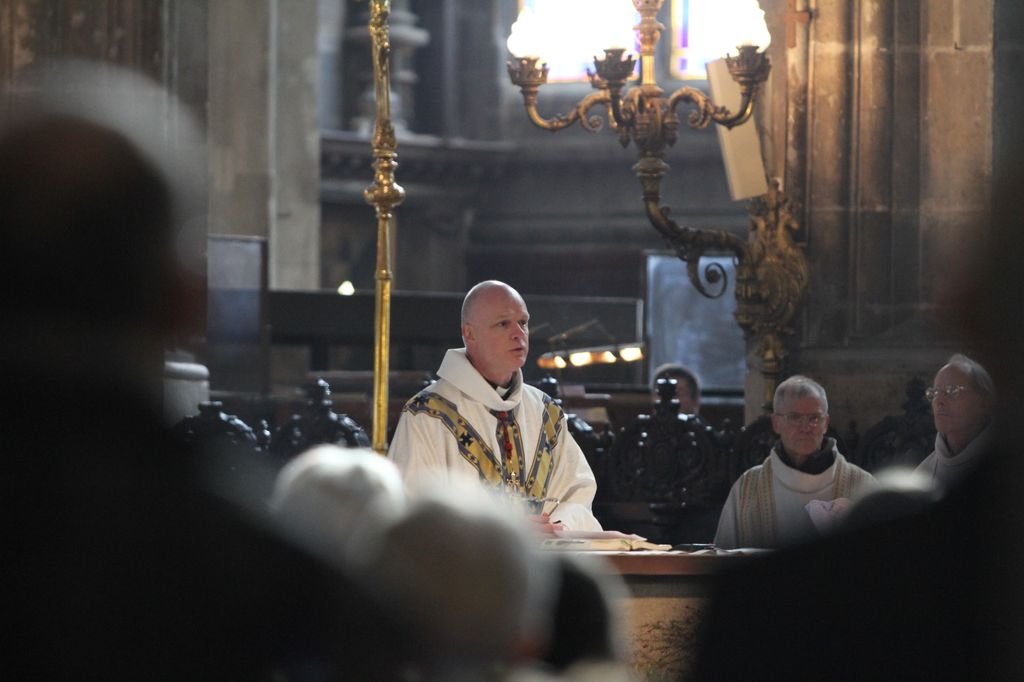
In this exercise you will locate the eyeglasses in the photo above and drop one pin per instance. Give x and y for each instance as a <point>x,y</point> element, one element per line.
<point>951,391</point>
<point>797,419</point>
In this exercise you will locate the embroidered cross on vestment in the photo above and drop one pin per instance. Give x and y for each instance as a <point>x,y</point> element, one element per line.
<point>507,427</point>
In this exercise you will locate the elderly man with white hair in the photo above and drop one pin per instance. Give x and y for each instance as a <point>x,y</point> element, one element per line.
<point>963,401</point>
<point>804,485</point>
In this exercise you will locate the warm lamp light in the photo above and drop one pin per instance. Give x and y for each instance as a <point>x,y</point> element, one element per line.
<point>580,358</point>
<point>726,24</point>
<point>631,353</point>
<point>551,361</point>
<point>602,355</point>
<point>749,27</point>
<point>526,38</point>
<point>569,31</point>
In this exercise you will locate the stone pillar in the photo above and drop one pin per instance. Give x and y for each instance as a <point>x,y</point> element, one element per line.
<point>241,113</point>
<point>263,132</point>
<point>295,239</point>
<point>906,108</point>
<point>956,135</point>
<point>330,27</point>
<point>1008,97</point>
<point>871,169</point>
<point>827,165</point>
<point>895,168</point>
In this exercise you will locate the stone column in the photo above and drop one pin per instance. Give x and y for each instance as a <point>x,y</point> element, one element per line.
<point>295,239</point>
<point>330,28</point>
<point>263,132</point>
<point>871,169</point>
<point>897,166</point>
<point>241,113</point>
<point>827,164</point>
<point>956,136</point>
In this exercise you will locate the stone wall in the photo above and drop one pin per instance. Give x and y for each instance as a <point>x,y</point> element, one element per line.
<point>882,129</point>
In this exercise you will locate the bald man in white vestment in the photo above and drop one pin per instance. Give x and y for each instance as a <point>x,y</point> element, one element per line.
<point>480,419</point>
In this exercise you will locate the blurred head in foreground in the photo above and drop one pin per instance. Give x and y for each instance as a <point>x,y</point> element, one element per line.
<point>902,492</point>
<point>333,499</point>
<point>588,626</point>
<point>467,578</point>
<point>93,197</point>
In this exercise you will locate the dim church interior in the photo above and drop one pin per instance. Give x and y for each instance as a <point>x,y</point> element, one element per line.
<point>887,130</point>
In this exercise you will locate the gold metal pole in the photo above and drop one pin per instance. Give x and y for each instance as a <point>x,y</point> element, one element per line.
<point>384,194</point>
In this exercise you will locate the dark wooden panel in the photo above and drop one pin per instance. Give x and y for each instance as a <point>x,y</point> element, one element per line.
<point>432,318</point>
<point>592,270</point>
<point>308,317</point>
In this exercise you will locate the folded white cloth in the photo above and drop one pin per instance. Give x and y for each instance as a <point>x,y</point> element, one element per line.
<point>825,514</point>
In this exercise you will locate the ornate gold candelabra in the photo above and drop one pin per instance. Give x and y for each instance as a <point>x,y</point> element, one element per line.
<point>384,194</point>
<point>771,267</point>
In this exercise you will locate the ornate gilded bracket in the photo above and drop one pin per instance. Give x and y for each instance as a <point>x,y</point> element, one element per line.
<point>771,281</point>
<point>771,272</point>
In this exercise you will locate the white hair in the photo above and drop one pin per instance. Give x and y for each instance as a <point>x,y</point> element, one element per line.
<point>333,500</point>
<point>797,386</point>
<point>980,377</point>
<point>462,570</point>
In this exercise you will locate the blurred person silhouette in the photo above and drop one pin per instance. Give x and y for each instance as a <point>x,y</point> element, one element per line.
<point>480,417</point>
<point>901,492</point>
<point>121,563</point>
<point>934,594</point>
<point>467,580</point>
<point>963,398</point>
<point>687,386</point>
<point>587,628</point>
<point>804,486</point>
<point>333,500</point>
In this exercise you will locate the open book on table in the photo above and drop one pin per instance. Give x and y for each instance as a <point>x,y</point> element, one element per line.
<point>599,540</point>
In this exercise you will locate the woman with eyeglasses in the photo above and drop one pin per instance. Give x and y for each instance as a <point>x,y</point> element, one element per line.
<point>963,400</point>
<point>804,486</point>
